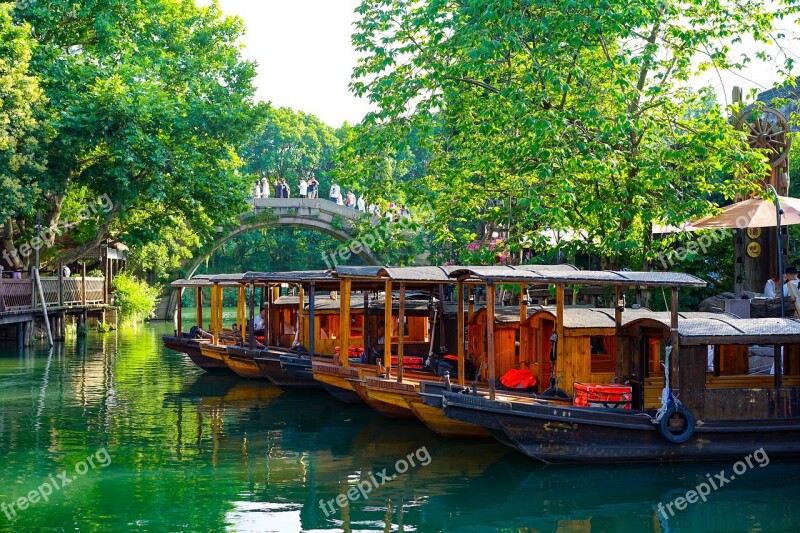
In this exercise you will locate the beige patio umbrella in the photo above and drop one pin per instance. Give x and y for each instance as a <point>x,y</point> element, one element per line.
<point>752,213</point>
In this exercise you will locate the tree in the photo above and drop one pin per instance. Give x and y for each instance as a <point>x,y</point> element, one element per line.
<point>577,114</point>
<point>149,102</point>
<point>292,144</point>
<point>21,101</point>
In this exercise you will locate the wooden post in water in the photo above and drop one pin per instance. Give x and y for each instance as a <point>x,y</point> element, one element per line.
<point>344,321</point>
<point>312,327</point>
<point>387,327</point>
<point>401,333</point>
<point>61,284</point>
<point>83,284</point>
<point>460,326</point>
<point>490,304</point>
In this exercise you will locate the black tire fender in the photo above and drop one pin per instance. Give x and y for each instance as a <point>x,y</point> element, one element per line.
<point>688,430</point>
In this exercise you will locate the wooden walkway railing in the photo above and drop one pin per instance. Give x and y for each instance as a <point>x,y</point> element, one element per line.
<point>20,294</point>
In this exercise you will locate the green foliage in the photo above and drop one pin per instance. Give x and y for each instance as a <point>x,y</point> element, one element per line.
<point>134,298</point>
<point>291,145</point>
<point>148,103</point>
<point>575,113</point>
<point>21,100</point>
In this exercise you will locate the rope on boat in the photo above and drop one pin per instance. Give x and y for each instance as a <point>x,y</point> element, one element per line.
<point>667,399</point>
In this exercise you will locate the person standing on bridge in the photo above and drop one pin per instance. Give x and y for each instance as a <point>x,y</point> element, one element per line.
<point>335,194</point>
<point>303,187</point>
<point>361,205</point>
<point>351,199</point>
<point>313,187</point>
<point>257,190</point>
<point>264,187</point>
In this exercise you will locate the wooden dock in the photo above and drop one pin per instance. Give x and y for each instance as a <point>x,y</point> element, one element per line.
<point>21,308</point>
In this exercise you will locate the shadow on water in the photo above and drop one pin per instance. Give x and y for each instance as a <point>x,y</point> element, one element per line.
<point>198,452</point>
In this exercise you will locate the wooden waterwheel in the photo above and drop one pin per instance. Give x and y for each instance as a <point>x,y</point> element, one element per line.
<point>767,129</point>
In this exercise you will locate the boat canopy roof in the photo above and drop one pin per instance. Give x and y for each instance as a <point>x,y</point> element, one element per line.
<point>411,275</point>
<point>323,280</point>
<point>711,328</point>
<point>207,280</point>
<point>567,274</point>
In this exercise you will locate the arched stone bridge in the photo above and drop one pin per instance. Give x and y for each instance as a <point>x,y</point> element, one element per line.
<point>311,213</point>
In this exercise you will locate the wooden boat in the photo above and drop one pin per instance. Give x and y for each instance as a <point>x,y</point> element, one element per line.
<point>721,414</point>
<point>269,362</point>
<point>181,341</point>
<point>191,347</point>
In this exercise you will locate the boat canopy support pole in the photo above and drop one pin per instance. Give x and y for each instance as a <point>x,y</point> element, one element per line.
<point>312,326</point>
<point>490,303</point>
<point>675,340</point>
<point>344,322</point>
<point>251,337</point>
<point>559,329</point>
<point>200,307</point>
<point>401,332</point>
<point>460,326</point>
<point>179,313</point>
<point>241,313</point>
<point>619,306</point>
<point>387,328</point>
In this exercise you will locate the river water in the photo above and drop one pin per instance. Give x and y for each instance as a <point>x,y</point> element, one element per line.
<point>127,435</point>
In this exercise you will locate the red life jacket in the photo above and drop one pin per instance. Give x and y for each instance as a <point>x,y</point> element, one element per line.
<point>518,379</point>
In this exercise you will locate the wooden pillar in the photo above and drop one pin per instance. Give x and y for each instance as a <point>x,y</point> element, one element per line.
<point>29,326</point>
<point>401,333</point>
<point>618,306</point>
<point>559,329</point>
<point>490,304</point>
<point>83,284</point>
<point>675,371</point>
<point>387,327</point>
<point>20,335</point>
<point>2,298</point>
<point>241,311</point>
<point>214,306</point>
<point>344,321</point>
<point>61,284</point>
<point>200,307</point>
<point>365,327</point>
<point>312,326</point>
<point>270,291</point>
<point>251,337</point>
<point>523,309</point>
<point>460,327</point>
<point>471,301</point>
<point>300,309</point>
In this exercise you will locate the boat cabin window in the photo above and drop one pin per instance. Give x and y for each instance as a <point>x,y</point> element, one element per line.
<point>287,318</point>
<point>656,349</point>
<point>328,327</point>
<point>603,354</point>
<point>753,366</point>
<point>415,328</point>
<point>356,326</point>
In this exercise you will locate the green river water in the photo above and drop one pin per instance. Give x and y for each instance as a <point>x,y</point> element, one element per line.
<point>174,449</point>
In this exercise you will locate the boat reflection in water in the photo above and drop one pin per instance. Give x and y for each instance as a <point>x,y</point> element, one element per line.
<point>291,454</point>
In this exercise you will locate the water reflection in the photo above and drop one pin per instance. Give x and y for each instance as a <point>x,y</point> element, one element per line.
<point>196,452</point>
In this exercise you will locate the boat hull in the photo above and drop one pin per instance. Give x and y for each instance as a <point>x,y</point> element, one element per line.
<point>334,380</point>
<point>272,369</point>
<point>242,363</point>
<point>557,433</point>
<point>387,409</point>
<point>192,349</point>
